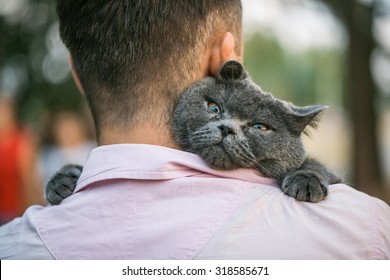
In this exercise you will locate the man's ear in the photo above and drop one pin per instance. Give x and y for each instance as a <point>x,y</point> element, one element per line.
<point>222,50</point>
<point>74,75</point>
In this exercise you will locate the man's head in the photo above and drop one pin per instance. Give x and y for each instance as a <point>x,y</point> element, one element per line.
<point>133,57</point>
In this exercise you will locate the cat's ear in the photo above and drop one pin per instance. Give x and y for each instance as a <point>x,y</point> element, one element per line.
<point>306,116</point>
<point>232,70</point>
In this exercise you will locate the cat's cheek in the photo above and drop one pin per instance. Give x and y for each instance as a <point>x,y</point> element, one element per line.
<point>205,137</point>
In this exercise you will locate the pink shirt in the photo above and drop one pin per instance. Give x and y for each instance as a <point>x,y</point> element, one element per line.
<point>151,202</point>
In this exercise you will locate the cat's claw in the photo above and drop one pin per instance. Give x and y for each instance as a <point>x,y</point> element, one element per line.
<point>62,184</point>
<point>305,185</point>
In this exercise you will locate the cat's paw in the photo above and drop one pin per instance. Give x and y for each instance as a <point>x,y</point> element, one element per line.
<point>305,185</point>
<point>62,184</point>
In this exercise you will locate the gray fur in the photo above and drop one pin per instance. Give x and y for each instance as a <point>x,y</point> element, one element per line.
<point>62,184</point>
<point>229,140</point>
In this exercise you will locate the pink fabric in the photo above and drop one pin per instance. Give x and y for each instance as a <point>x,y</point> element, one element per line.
<point>346,225</point>
<point>142,202</point>
<point>150,202</point>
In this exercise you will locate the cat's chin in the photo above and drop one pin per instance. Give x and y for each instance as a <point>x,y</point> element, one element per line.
<point>273,168</point>
<point>217,157</point>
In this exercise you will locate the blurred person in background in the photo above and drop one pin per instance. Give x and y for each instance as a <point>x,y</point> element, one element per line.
<point>68,141</point>
<point>19,182</point>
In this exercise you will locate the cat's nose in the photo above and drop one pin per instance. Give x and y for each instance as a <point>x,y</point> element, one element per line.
<point>226,130</point>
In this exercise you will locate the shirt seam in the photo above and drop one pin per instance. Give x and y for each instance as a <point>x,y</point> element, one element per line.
<point>223,220</point>
<point>42,234</point>
<point>375,233</point>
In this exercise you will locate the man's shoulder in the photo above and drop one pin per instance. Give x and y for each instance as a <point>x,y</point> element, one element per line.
<point>348,224</point>
<point>343,195</point>
<point>19,239</point>
<point>341,199</point>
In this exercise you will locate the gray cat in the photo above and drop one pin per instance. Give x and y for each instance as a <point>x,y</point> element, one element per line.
<point>231,123</point>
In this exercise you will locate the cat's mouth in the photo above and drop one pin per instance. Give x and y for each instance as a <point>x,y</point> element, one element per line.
<point>238,152</point>
<point>219,158</point>
<point>221,151</point>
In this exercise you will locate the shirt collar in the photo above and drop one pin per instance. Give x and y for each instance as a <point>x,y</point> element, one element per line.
<point>149,162</point>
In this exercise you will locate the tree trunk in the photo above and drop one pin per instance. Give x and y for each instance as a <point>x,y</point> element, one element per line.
<point>361,95</point>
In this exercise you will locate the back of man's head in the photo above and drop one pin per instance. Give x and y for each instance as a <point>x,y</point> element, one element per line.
<point>134,57</point>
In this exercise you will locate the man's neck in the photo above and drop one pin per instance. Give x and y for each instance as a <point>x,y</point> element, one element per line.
<point>143,134</point>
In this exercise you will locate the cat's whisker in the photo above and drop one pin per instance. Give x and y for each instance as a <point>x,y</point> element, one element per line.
<point>202,131</point>
<point>245,154</point>
<point>200,136</point>
<point>242,154</point>
<point>247,160</point>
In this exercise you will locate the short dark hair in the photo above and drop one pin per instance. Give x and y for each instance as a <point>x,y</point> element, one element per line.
<point>122,49</point>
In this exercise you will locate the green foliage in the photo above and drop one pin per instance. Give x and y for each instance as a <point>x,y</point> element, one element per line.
<point>309,77</point>
<point>25,47</point>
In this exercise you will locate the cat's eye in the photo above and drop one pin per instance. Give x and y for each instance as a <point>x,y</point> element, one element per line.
<point>261,126</point>
<point>213,107</point>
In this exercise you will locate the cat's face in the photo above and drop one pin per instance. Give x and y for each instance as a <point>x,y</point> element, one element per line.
<point>231,123</point>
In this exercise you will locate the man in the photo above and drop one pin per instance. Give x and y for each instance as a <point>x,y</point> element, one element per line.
<point>139,197</point>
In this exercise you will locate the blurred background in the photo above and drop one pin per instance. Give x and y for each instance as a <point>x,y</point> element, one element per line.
<point>306,51</point>
<point>337,53</point>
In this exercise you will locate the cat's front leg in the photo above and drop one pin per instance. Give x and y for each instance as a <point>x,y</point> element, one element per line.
<point>309,182</point>
<point>63,183</point>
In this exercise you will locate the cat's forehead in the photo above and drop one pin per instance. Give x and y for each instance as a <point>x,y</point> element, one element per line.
<point>233,91</point>
<point>252,97</point>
